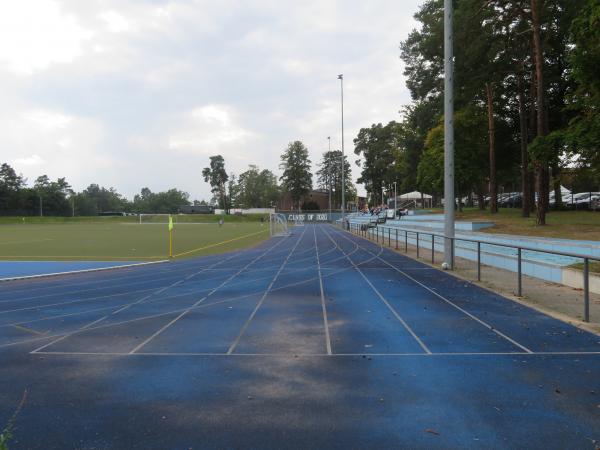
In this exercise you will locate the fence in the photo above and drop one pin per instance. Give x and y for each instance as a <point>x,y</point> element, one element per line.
<point>397,234</point>
<point>312,216</point>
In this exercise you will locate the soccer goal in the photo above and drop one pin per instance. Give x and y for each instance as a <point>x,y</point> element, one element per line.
<point>181,219</point>
<point>153,218</point>
<point>278,225</point>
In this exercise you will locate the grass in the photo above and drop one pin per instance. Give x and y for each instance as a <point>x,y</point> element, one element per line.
<point>560,224</point>
<point>594,266</point>
<point>107,240</point>
<point>7,433</point>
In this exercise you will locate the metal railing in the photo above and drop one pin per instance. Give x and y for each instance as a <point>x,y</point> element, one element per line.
<point>399,233</point>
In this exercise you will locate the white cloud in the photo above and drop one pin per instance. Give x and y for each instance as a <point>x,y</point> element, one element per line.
<point>36,33</point>
<point>32,160</point>
<point>56,144</point>
<point>210,129</point>
<point>47,120</point>
<point>115,22</point>
<point>131,94</point>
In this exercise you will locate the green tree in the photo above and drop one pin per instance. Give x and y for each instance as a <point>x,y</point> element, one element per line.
<point>329,176</point>
<point>582,135</point>
<point>257,188</point>
<point>95,199</point>
<point>217,177</point>
<point>470,159</point>
<point>296,178</point>
<point>379,149</point>
<point>232,192</point>
<point>11,185</point>
<point>53,195</point>
<point>167,202</point>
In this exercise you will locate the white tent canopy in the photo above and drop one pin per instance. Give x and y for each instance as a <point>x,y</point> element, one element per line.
<point>415,199</point>
<point>415,195</point>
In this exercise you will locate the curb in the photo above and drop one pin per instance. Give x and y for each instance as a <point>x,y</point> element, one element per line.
<point>70,272</point>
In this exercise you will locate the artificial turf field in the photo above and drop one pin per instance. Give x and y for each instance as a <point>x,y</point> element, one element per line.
<point>128,241</point>
<point>316,340</point>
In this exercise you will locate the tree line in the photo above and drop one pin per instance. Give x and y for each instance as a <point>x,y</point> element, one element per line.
<point>527,104</point>
<point>253,188</point>
<point>57,198</point>
<point>257,188</point>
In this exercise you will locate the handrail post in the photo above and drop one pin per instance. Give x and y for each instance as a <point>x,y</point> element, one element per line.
<point>478,261</point>
<point>520,282</point>
<point>586,290</point>
<point>417,245</point>
<point>432,249</point>
<point>396,238</point>
<point>405,241</point>
<point>389,238</point>
<point>377,234</point>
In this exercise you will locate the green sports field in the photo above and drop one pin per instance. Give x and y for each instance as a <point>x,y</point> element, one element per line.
<point>123,240</point>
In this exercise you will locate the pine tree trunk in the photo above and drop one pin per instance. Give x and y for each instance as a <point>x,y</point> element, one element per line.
<point>481,199</point>
<point>492,144</point>
<point>541,168</point>
<point>558,203</point>
<point>524,158</point>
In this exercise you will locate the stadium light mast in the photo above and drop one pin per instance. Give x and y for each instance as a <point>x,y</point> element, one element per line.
<point>448,136</point>
<point>329,177</point>
<point>395,198</point>
<point>341,78</point>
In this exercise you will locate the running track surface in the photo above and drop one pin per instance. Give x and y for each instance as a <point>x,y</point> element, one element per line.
<point>316,340</point>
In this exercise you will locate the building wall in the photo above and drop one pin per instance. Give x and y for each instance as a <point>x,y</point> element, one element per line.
<point>321,198</point>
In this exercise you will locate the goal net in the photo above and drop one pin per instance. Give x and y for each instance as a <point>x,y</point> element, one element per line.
<point>278,225</point>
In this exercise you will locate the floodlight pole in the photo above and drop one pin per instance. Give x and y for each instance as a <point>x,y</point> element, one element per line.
<point>448,135</point>
<point>329,176</point>
<point>395,199</point>
<point>341,78</point>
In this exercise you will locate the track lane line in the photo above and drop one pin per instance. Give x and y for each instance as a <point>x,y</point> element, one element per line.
<point>472,316</point>
<point>323,307</point>
<point>324,355</point>
<point>152,316</point>
<point>123,308</point>
<point>157,333</point>
<point>262,299</point>
<point>382,298</point>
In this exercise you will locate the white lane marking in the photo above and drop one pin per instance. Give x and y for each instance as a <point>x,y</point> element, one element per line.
<point>304,355</point>
<point>472,316</point>
<point>87,311</point>
<point>154,335</point>
<point>85,327</point>
<point>262,299</point>
<point>323,307</point>
<point>152,316</point>
<point>71,272</point>
<point>382,298</point>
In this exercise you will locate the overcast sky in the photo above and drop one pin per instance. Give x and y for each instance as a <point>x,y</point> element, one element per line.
<point>132,94</point>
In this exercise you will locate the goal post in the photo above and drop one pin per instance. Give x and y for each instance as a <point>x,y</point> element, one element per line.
<point>278,225</point>
<point>182,219</point>
<point>153,218</point>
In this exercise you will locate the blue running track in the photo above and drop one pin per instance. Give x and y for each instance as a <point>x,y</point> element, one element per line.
<point>316,340</point>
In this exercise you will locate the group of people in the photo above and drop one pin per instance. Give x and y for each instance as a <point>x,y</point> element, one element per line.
<point>376,210</point>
